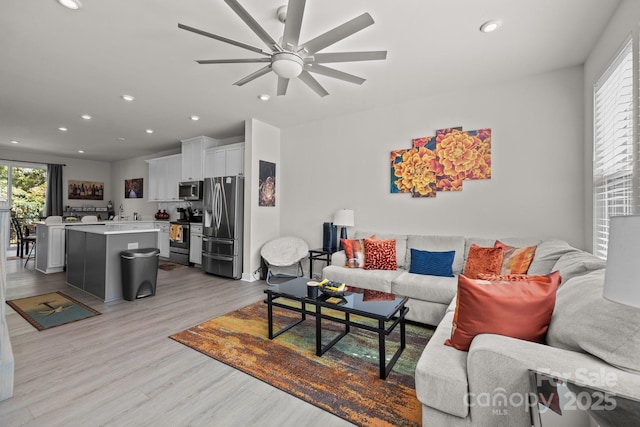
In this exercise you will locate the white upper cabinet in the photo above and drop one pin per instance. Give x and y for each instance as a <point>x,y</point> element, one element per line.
<point>164,175</point>
<point>193,160</point>
<point>225,160</point>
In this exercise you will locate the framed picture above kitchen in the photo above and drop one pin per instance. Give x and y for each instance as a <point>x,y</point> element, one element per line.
<point>85,190</point>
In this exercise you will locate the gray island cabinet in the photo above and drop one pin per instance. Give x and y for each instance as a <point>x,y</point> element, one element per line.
<point>93,257</point>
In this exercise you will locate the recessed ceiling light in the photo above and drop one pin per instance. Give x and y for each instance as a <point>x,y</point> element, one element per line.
<point>15,141</point>
<point>63,129</point>
<point>86,116</point>
<point>127,98</point>
<point>195,118</point>
<point>121,139</point>
<point>80,151</point>
<point>71,4</point>
<point>149,131</point>
<point>490,26</point>
<point>264,97</point>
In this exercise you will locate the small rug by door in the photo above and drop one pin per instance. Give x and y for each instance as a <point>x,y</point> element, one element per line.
<point>169,266</point>
<point>51,310</point>
<point>344,381</point>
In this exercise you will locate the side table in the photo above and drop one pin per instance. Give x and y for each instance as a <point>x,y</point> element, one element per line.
<point>318,255</point>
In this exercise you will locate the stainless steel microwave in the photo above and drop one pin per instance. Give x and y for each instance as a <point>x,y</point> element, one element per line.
<point>190,190</point>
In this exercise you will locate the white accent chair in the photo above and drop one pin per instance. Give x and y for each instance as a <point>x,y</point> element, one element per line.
<point>283,252</point>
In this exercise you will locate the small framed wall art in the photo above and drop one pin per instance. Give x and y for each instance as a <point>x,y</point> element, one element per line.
<point>133,188</point>
<point>267,184</point>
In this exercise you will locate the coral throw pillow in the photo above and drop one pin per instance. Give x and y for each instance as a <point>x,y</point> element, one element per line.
<point>380,254</point>
<point>518,309</point>
<point>483,261</point>
<point>515,260</point>
<point>355,253</point>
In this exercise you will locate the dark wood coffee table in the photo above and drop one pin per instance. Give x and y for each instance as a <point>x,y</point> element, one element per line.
<point>387,309</point>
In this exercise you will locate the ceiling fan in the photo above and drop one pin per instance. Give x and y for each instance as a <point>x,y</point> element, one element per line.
<point>289,59</point>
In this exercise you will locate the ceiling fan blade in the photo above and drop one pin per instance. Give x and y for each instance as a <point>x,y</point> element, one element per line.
<point>254,75</point>
<point>232,61</point>
<point>293,23</point>
<point>282,86</point>
<point>330,72</point>
<point>349,56</point>
<point>338,33</point>
<point>313,83</point>
<point>253,24</point>
<point>223,39</point>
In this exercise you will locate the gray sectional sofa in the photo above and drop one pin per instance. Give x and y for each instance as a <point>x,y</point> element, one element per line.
<point>588,337</point>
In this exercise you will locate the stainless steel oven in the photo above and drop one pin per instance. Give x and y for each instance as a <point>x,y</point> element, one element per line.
<point>179,242</point>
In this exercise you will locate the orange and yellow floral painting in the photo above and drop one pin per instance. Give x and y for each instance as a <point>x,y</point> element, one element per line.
<point>441,162</point>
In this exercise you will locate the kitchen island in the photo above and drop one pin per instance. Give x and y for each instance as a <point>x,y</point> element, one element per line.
<point>93,257</point>
<point>51,240</point>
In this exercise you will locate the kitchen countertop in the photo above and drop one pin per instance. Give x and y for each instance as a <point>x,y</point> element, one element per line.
<point>105,222</point>
<point>101,230</point>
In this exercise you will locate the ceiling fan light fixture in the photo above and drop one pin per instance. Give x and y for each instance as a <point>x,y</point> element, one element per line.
<point>287,64</point>
<point>71,4</point>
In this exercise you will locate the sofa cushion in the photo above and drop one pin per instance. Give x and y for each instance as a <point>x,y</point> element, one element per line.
<point>425,288</point>
<point>441,373</point>
<point>483,260</point>
<point>584,321</point>
<point>519,309</point>
<point>432,263</point>
<point>401,244</point>
<point>438,244</point>
<point>515,260</point>
<point>547,254</point>
<point>577,263</point>
<point>377,280</point>
<point>380,254</point>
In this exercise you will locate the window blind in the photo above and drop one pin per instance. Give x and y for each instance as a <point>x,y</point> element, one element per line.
<point>613,164</point>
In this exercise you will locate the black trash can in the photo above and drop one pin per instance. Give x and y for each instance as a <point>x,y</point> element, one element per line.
<point>139,272</point>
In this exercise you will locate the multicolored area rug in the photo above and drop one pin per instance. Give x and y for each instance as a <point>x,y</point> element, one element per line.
<point>344,381</point>
<point>51,310</point>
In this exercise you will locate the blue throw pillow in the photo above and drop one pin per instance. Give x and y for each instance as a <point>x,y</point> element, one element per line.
<point>432,263</point>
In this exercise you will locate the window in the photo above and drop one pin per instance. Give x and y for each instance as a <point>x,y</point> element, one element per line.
<point>613,158</point>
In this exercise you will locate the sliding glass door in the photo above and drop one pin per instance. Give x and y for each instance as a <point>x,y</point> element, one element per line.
<point>24,186</point>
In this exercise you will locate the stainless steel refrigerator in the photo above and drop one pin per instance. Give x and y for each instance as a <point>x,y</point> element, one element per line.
<point>223,205</point>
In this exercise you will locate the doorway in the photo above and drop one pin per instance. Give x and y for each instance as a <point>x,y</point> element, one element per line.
<point>24,187</point>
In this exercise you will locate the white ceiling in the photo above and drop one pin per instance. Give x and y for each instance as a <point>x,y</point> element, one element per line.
<point>56,64</point>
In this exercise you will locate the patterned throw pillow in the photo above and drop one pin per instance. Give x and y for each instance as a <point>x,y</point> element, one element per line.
<point>515,260</point>
<point>355,253</point>
<point>483,260</point>
<point>380,254</point>
<point>519,309</point>
<point>432,263</point>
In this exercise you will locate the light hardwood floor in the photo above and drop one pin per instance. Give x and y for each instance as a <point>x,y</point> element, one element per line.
<point>121,369</point>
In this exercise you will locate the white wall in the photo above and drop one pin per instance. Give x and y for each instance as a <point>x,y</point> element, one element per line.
<point>537,188</point>
<point>261,223</point>
<point>130,169</point>
<point>623,24</point>
<point>75,169</point>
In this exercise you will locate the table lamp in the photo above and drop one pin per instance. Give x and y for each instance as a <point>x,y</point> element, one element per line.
<point>344,219</point>
<point>621,280</point>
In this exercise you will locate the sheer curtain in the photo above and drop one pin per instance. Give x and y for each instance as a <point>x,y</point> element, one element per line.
<point>54,190</point>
